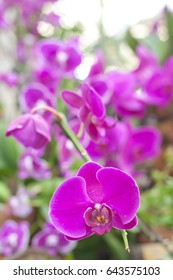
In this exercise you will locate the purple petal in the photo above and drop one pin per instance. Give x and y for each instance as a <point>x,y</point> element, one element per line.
<point>120,192</point>
<point>92,130</point>
<point>74,59</point>
<point>88,233</point>
<point>117,223</point>
<point>68,206</point>
<point>35,94</point>
<point>99,66</point>
<point>93,187</point>
<point>84,114</point>
<point>146,141</point>
<point>42,127</point>
<point>93,101</point>
<point>131,107</point>
<point>18,123</point>
<point>109,122</point>
<point>31,130</point>
<point>72,99</point>
<point>48,48</point>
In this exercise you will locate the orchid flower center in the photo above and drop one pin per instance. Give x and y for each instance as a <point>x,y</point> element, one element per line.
<point>138,152</point>
<point>99,218</point>
<point>12,239</point>
<point>62,57</point>
<point>52,240</point>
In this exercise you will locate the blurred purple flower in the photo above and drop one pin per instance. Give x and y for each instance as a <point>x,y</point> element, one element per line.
<point>90,110</point>
<point>29,13</point>
<point>110,145</point>
<point>36,94</point>
<point>31,130</point>
<point>4,22</point>
<point>62,57</point>
<point>94,201</point>
<point>19,204</point>
<point>52,241</point>
<point>32,166</point>
<point>126,99</point>
<point>159,89</point>
<point>52,18</point>
<point>14,237</point>
<point>46,76</point>
<point>99,66</point>
<point>148,64</point>
<point>101,84</point>
<point>144,143</point>
<point>168,66</point>
<point>12,79</point>
<point>24,47</point>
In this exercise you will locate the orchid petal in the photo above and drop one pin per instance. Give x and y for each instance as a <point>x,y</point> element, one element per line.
<point>68,206</point>
<point>120,192</point>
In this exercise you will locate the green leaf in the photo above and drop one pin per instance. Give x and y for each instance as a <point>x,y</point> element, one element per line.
<point>45,191</point>
<point>4,192</point>
<point>9,151</point>
<point>157,46</point>
<point>132,42</point>
<point>169,21</point>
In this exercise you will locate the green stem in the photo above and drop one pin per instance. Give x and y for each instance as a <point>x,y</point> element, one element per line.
<point>61,120</point>
<point>81,130</point>
<point>70,134</point>
<point>125,239</point>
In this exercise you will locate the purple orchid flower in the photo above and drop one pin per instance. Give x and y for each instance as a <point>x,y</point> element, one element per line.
<point>90,110</point>
<point>19,204</point>
<point>148,64</point>
<point>4,24</point>
<point>52,18</point>
<point>12,79</point>
<point>126,99</point>
<point>99,66</point>
<point>36,94</point>
<point>94,201</point>
<point>111,144</point>
<point>31,130</point>
<point>144,143</point>
<point>24,47</point>
<point>63,57</point>
<point>101,84</point>
<point>14,238</point>
<point>168,66</point>
<point>32,166</point>
<point>52,241</point>
<point>30,13</point>
<point>46,76</point>
<point>159,89</point>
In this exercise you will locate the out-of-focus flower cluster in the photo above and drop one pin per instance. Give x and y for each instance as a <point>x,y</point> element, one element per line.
<point>106,111</point>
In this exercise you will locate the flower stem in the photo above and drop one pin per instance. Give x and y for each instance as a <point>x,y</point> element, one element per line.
<point>125,239</point>
<point>81,130</point>
<point>61,120</point>
<point>70,134</point>
<point>59,116</point>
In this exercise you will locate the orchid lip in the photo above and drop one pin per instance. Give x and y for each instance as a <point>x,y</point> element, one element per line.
<point>99,218</point>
